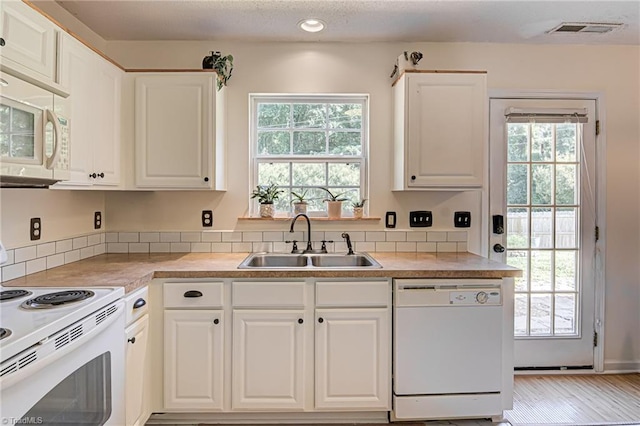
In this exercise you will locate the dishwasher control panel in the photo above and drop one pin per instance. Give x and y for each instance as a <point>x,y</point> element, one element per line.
<point>475,297</point>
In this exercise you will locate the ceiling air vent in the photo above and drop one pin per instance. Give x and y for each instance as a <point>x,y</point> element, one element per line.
<point>584,27</point>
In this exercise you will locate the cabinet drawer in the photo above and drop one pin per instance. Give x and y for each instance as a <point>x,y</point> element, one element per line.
<point>136,304</point>
<point>193,295</point>
<point>272,294</point>
<point>353,293</point>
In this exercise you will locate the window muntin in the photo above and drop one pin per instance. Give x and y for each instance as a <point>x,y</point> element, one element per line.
<point>310,141</point>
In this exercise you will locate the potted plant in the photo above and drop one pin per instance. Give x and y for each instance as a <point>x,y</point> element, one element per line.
<point>358,208</point>
<point>223,66</point>
<point>299,201</point>
<point>266,195</point>
<point>334,204</point>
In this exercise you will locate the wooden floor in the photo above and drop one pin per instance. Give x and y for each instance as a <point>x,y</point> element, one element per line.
<point>576,400</point>
<point>580,400</point>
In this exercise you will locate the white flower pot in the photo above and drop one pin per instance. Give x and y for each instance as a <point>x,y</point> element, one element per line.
<point>334,209</point>
<point>267,210</point>
<point>357,212</point>
<point>299,208</point>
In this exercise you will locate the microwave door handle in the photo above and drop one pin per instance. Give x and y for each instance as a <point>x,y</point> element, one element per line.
<point>57,145</point>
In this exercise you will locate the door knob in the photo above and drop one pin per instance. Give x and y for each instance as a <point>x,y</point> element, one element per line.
<point>498,248</point>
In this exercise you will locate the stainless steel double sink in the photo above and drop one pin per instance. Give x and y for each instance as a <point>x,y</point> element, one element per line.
<point>309,261</point>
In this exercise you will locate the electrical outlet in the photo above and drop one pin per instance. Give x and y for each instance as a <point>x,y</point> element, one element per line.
<point>420,219</point>
<point>97,220</point>
<point>207,218</point>
<point>462,219</point>
<point>35,230</point>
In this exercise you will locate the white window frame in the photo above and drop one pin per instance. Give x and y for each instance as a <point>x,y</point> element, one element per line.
<point>255,158</point>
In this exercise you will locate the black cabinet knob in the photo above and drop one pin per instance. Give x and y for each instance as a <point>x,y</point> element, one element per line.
<point>93,175</point>
<point>216,321</point>
<point>413,177</point>
<point>132,340</point>
<point>498,248</point>
<point>139,303</point>
<point>193,293</point>
<point>206,179</point>
<point>2,42</point>
<point>300,320</point>
<point>321,320</point>
<point>101,175</point>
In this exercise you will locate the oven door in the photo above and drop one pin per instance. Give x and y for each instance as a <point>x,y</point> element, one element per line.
<point>81,384</point>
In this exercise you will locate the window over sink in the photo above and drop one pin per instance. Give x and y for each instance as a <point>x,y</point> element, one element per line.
<point>304,142</point>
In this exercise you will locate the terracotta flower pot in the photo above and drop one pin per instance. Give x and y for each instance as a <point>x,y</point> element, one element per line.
<point>334,209</point>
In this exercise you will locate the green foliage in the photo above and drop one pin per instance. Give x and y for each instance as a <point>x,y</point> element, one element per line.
<point>299,197</point>
<point>267,194</point>
<point>332,196</point>
<point>224,67</point>
<point>359,203</point>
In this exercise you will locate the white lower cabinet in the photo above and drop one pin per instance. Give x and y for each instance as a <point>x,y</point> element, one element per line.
<point>193,359</point>
<point>137,336</point>
<point>352,359</point>
<point>268,360</point>
<point>193,346</point>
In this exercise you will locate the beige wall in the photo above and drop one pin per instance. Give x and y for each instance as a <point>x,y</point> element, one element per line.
<point>612,71</point>
<point>364,68</point>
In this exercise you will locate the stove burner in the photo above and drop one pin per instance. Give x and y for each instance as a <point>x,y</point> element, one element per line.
<point>4,332</point>
<point>13,294</point>
<point>60,298</point>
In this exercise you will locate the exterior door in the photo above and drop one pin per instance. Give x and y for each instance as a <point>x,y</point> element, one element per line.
<point>543,185</point>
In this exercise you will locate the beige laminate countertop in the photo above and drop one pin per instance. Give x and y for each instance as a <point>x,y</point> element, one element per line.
<point>135,270</point>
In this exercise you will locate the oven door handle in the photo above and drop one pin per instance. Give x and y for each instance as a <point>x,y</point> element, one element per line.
<point>49,354</point>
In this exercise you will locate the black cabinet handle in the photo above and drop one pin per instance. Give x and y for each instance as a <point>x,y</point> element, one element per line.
<point>193,293</point>
<point>413,177</point>
<point>139,303</point>
<point>2,43</point>
<point>300,320</point>
<point>320,320</point>
<point>132,340</point>
<point>216,321</point>
<point>93,175</point>
<point>498,248</point>
<point>101,175</point>
<point>206,179</point>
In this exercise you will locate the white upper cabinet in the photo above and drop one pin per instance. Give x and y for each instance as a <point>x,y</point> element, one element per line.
<point>178,131</point>
<point>439,130</point>
<point>94,107</point>
<point>29,48</point>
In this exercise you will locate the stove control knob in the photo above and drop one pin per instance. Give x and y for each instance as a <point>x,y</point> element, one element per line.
<point>482,297</point>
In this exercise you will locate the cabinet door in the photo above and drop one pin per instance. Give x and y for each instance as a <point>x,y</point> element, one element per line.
<point>193,363</point>
<point>445,130</point>
<point>136,355</point>
<point>106,146</point>
<point>268,360</point>
<point>174,122</point>
<point>353,363</point>
<point>77,75</point>
<point>30,40</point>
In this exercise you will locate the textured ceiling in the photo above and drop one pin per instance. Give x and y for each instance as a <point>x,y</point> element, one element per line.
<point>514,21</point>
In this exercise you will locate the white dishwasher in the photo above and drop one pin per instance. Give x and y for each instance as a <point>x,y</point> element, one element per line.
<point>447,348</point>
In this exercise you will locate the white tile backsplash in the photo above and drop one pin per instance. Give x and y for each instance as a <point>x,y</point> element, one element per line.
<point>46,249</point>
<point>436,236</point>
<point>25,253</point>
<point>180,247</point>
<point>385,246</point>
<point>241,247</point>
<point>149,237</point>
<point>80,242</point>
<point>201,247</point>
<point>128,237</point>
<point>86,252</point>
<point>139,247</point>
<point>64,246</point>
<point>11,272</point>
<point>190,237</point>
<point>272,236</point>
<point>406,246</point>
<point>55,260</point>
<point>159,247</point>
<point>36,265</point>
<point>417,236</point>
<point>71,256</point>
<point>220,247</point>
<point>169,237</point>
<point>252,237</point>
<point>375,236</point>
<point>117,247</point>
<point>111,237</point>
<point>231,237</point>
<point>447,247</point>
<point>426,247</point>
<point>397,236</point>
<point>94,239</point>
<point>211,237</point>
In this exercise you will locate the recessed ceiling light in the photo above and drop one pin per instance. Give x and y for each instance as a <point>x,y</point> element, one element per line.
<point>312,25</point>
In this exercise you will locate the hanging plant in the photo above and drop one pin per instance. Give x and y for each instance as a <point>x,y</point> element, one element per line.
<point>223,66</point>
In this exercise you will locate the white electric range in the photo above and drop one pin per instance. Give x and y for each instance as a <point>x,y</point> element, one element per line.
<point>78,335</point>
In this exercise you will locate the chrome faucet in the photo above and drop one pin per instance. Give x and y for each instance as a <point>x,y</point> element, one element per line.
<point>309,249</point>
<point>348,241</point>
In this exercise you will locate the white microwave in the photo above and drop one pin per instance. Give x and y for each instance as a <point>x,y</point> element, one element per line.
<point>34,135</point>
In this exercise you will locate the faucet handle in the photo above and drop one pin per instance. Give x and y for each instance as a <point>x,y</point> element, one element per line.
<point>295,245</point>
<point>324,245</point>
